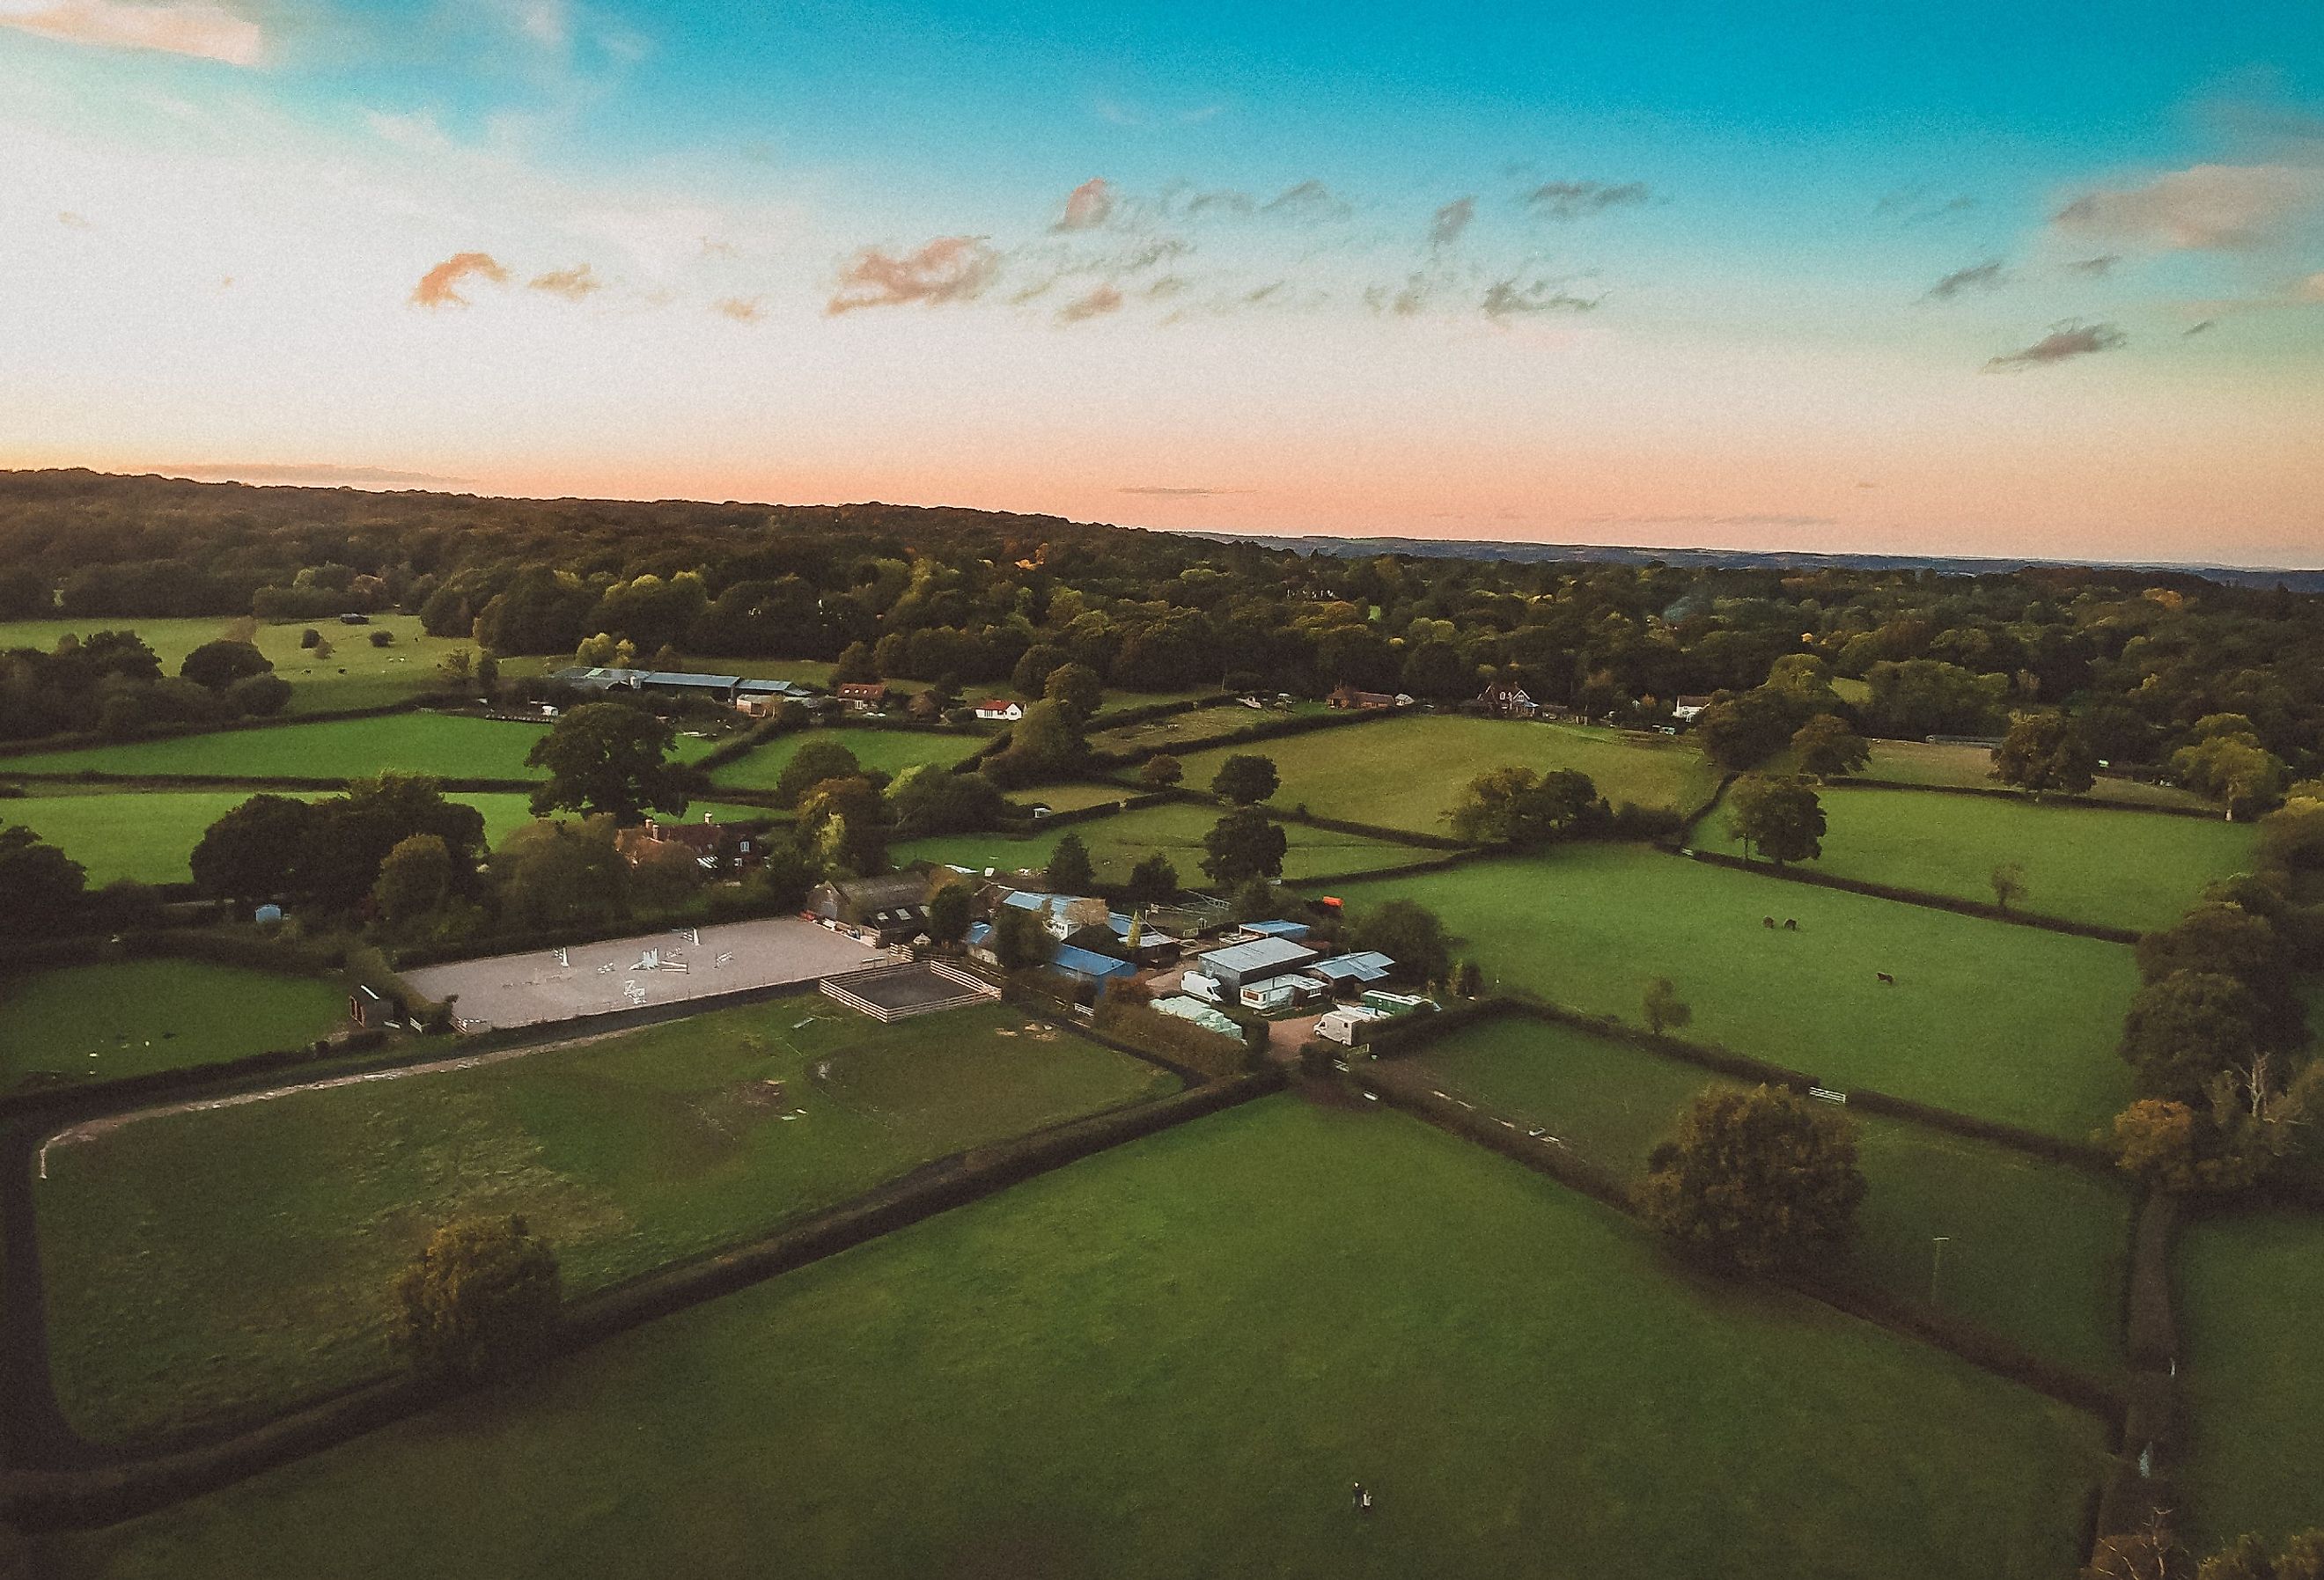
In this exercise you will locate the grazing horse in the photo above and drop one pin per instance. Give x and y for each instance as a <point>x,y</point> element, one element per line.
<point>1885,977</point>
<point>1768,922</point>
<point>1791,924</point>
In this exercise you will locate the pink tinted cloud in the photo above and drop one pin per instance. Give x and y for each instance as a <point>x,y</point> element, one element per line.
<point>2206,208</point>
<point>573,284</point>
<point>949,269</point>
<point>187,27</point>
<point>1105,299</point>
<point>440,286</point>
<point>1087,206</point>
<point>742,309</point>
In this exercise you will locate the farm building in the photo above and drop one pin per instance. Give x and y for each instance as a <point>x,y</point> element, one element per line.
<point>887,911</point>
<point>718,848</point>
<point>1069,924</point>
<point>996,710</point>
<point>1348,697</point>
<point>1293,931</point>
<point>1088,968</point>
<point>861,695</point>
<point>1256,961</point>
<point>1347,972</point>
<point>1685,709</point>
<point>753,696</point>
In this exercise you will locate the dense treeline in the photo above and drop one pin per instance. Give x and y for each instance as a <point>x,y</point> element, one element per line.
<point>2151,664</point>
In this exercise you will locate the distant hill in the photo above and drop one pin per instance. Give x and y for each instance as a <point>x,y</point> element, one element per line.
<point>2298,581</point>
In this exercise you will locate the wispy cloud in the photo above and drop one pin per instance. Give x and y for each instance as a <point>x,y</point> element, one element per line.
<point>1506,299</point>
<point>72,221</point>
<point>1919,205</point>
<point>2096,268</point>
<point>949,269</point>
<point>2202,326</point>
<point>742,309</point>
<point>1406,301</point>
<point>1087,206</point>
<point>1989,275</point>
<point>1307,200</point>
<point>440,286</point>
<point>573,284</point>
<point>178,27</point>
<point>1580,199</point>
<point>2206,208</point>
<point>1451,220</point>
<point>1097,303</point>
<point>2063,343</point>
<point>1159,491</point>
<point>1223,201</point>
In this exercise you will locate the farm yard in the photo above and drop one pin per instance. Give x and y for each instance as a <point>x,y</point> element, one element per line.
<point>1406,773</point>
<point>115,1019</point>
<point>2034,1250</point>
<point>1118,842</point>
<point>355,675</point>
<point>2008,1022</point>
<point>2248,1285</point>
<point>208,1264</point>
<point>149,835</point>
<point>2116,868</point>
<point>1270,1303</point>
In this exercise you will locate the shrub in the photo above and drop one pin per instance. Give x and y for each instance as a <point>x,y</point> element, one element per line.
<point>1755,1180</point>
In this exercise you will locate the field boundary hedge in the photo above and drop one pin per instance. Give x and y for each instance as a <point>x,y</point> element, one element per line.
<point>1921,897</point>
<point>1266,729</point>
<point>44,1499</point>
<point>1970,1342</point>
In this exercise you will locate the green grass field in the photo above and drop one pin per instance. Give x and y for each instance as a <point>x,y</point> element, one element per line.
<point>355,675</point>
<point>206,1263</point>
<point>149,835</point>
<point>1073,796</point>
<point>2120,868</point>
<point>1407,772</point>
<point>1927,762</point>
<point>1171,1360</point>
<point>130,1017</point>
<point>1986,1018</point>
<point>1196,724</point>
<point>891,750</point>
<point>449,745</point>
<point>2249,1287</point>
<point>2035,1250</point>
<point>1117,844</point>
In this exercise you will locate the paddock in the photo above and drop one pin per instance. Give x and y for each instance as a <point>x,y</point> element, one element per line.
<point>538,986</point>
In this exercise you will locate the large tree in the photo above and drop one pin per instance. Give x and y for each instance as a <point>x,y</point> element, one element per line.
<point>1780,816</point>
<point>1827,747</point>
<point>610,758</point>
<point>480,1301</point>
<point>219,664</point>
<point>1077,689</point>
<point>2045,752</point>
<point>1743,731</point>
<point>2185,1029</point>
<point>1522,809</point>
<point>1068,867</point>
<point>1756,1180</point>
<point>257,850</point>
<point>1408,933</point>
<point>41,887</point>
<point>810,765</point>
<point>1152,880</point>
<point>1243,844</point>
<point>1246,779</point>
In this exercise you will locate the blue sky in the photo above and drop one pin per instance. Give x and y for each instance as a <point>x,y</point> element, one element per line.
<point>1954,277</point>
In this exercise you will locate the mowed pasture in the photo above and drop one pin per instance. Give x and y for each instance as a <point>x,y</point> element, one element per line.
<point>447,745</point>
<point>355,675</point>
<point>1932,763</point>
<point>1407,772</point>
<point>2035,1251</point>
<point>2009,1023</point>
<point>114,1019</point>
<point>150,834</point>
<point>1174,1358</point>
<point>1175,830</point>
<point>2114,867</point>
<point>211,1263</point>
<point>890,750</point>
<point>2248,1286</point>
